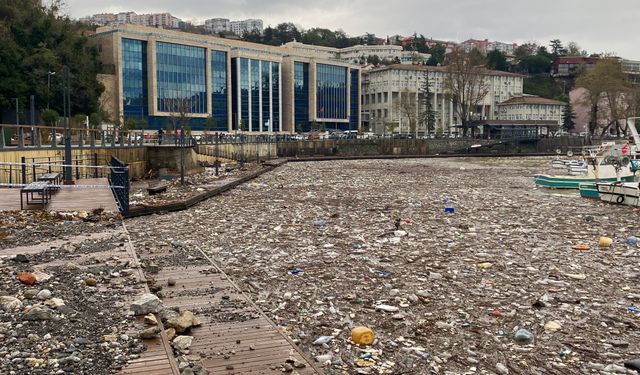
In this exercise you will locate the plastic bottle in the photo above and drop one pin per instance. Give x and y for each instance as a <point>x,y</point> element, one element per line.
<point>448,207</point>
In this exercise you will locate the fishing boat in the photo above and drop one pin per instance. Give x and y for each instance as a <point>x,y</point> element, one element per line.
<point>627,193</point>
<point>609,164</point>
<point>589,190</point>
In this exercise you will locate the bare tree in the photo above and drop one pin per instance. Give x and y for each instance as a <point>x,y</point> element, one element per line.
<point>407,108</point>
<point>610,95</point>
<point>179,110</point>
<point>465,82</point>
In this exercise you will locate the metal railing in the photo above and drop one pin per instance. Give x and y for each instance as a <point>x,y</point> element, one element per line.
<point>119,183</point>
<point>30,169</point>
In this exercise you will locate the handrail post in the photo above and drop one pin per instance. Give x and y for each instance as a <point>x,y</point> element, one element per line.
<point>81,139</point>
<point>20,137</point>
<point>92,138</point>
<point>38,136</point>
<point>2,142</point>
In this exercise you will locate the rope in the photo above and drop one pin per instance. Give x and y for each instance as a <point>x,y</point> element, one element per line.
<point>67,186</point>
<point>64,165</point>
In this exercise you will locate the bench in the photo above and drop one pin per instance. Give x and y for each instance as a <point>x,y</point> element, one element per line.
<point>54,179</point>
<point>42,188</point>
<point>157,188</point>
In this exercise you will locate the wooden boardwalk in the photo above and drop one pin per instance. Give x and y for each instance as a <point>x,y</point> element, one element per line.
<point>235,337</point>
<point>68,198</point>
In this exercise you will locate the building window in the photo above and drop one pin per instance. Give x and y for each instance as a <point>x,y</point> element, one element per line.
<point>331,89</point>
<point>301,95</point>
<point>134,79</point>
<point>219,101</point>
<point>181,78</point>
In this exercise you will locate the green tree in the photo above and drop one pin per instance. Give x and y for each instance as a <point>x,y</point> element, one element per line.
<point>299,129</point>
<point>497,60</point>
<point>94,120</point>
<point>390,126</point>
<point>525,50</point>
<point>35,40</point>
<point>438,53</point>
<point>568,118</point>
<point>373,59</point>
<point>130,123</point>
<point>50,117</point>
<point>535,64</point>
<point>556,47</point>
<point>428,117</point>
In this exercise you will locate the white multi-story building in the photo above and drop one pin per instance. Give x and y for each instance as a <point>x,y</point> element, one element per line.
<point>217,25</point>
<point>358,54</point>
<point>246,26</point>
<point>387,91</point>
<point>162,20</point>
<point>485,46</point>
<point>531,107</point>
<point>508,49</point>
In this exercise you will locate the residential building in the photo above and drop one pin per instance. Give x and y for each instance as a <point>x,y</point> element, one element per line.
<point>485,46</point>
<point>163,20</point>
<point>246,26</point>
<point>531,107</point>
<point>164,75</point>
<point>569,65</point>
<point>217,25</point>
<point>391,94</point>
<point>358,54</point>
<point>448,45</point>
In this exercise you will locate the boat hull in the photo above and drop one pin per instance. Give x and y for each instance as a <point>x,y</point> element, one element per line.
<point>620,193</point>
<point>589,190</point>
<point>571,182</point>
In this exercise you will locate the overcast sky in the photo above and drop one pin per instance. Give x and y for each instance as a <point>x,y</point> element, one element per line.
<point>596,25</point>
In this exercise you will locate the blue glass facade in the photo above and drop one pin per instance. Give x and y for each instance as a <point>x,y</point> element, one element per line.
<point>134,79</point>
<point>219,98</point>
<point>354,100</point>
<point>181,76</point>
<point>275,90</point>
<point>301,96</point>
<point>331,92</point>
<point>256,94</point>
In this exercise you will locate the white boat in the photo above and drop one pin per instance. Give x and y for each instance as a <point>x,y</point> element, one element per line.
<point>627,193</point>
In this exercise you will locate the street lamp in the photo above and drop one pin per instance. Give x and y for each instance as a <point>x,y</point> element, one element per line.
<point>49,74</point>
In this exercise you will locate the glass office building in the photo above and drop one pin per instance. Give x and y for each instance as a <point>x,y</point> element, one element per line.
<point>354,113</point>
<point>331,92</point>
<point>219,99</point>
<point>181,76</point>
<point>256,96</point>
<point>301,96</point>
<point>134,79</point>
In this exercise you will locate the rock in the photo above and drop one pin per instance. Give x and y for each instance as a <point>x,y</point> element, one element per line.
<point>183,322</point>
<point>41,277</point>
<point>187,371</point>
<point>44,294</point>
<point>55,303</point>
<point>199,370</point>
<point>27,278</point>
<point>485,265</point>
<point>21,258</point>
<point>398,316</point>
<point>30,293</point>
<point>443,325</point>
<point>387,308</point>
<point>576,276</point>
<point>523,337</point>
<point>148,303</point>
<point>552,326</point>
<point>423,293</point>
<point>324,358</point>
<point>151,320</point>
<point>149,333</point>
<point>501,369</point>
<point>619,344</point>
<point>171,333</point>
<point>171,281</point>
<point>182,343</point>
<point>323,340</point>
<point>8,303</point>
<point>38,313</point>
<point>109,338</point>
<point>90,281</point>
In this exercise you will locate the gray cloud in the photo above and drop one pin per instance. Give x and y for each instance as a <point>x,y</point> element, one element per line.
<point>597,26</point>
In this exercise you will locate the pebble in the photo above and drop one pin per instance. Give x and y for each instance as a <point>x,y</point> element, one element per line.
<point>44,294</point>
<point>501,369</point>
<point>523,337</point>
<point>171,281</point>
<point>90,281</point>
<point>9,303</point>
<point>27,278</point>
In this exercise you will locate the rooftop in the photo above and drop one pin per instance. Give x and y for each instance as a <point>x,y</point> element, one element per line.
<point>428,68</point>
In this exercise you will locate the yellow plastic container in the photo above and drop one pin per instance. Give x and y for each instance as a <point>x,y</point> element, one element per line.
<point>605,242</point>
<point>362,336</point>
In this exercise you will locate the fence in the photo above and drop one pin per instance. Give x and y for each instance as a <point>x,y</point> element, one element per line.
<point>29,169</point>
<point>119,183</point>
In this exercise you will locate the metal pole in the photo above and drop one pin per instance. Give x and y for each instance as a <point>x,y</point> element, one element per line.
<point>217,162</point>
<point>68,177</point>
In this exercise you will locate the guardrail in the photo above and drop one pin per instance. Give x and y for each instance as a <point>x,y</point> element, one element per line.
<point>119,183</point>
